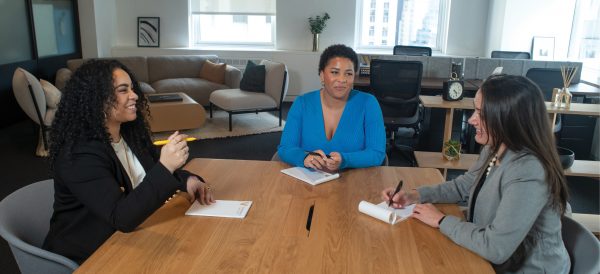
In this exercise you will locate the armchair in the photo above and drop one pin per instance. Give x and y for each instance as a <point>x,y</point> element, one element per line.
<point>32,98</point>
<point>397,85</point>
<point>237,101</point>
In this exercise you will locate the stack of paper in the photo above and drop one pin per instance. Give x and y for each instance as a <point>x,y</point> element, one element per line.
<point>311,176</point>
<point>387,214</point>
<point>221,208</point>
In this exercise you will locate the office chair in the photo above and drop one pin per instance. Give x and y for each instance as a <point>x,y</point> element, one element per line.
<point>547,79</point>
<point>412,50</point>
<point>582,246</point>
<point>397,85</point>
<point>511,54</point>
<point>24,222</point>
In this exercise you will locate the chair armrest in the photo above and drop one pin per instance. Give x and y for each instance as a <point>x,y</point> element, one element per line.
<point>62,76</point>
<point>233,76</point>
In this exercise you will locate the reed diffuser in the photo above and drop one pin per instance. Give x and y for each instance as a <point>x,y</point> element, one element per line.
<point>561,98</point>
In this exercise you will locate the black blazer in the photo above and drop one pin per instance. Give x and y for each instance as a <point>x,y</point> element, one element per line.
<point>93,198</point>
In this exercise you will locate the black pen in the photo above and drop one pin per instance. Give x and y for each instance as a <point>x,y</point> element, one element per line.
<point>396,192</point>
<point>317,154</point>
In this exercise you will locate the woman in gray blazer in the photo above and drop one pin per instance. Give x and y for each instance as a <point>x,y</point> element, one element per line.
<point>516,191</point>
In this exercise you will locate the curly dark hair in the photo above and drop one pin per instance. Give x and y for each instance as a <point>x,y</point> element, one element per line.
<point>86,101</point>
<point>338,50</point>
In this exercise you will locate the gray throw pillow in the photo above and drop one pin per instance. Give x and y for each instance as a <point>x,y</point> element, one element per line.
<point>254,78</point>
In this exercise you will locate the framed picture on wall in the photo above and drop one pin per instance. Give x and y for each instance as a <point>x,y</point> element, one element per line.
<point>149,32</point>
<point>542,48</point>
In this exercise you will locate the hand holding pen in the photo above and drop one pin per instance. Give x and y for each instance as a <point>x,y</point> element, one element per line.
<point>319,160</point>
<point>398,198</point>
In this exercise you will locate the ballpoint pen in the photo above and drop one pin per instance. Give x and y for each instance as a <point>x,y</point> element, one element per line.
<point>164,142</point>
<point>317,154</point>
<point>396,192</point>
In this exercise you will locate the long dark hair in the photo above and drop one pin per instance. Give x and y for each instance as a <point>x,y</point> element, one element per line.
<point>85,103</point>
<point>514,114</point>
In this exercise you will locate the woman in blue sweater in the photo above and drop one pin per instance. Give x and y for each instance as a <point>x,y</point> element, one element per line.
<point>335,127</point>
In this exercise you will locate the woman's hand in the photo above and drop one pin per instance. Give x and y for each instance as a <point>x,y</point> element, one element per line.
<point>334,161</point>
<point>428,214</point>
<point>199,190</point>
<point>174,154</point>
<point>314,161</point>
<point>402,198</point>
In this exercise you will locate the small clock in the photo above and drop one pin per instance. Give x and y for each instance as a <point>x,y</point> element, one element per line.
<point>453,90</point>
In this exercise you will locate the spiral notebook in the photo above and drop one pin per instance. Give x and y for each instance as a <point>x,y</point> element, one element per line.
<point>311,176</point>
<point>387,214</point>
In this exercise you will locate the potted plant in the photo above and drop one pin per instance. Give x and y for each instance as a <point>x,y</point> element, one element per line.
<point>451,150</point>
<point>317,24</point>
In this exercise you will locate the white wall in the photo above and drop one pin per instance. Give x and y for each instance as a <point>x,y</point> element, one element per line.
<point>97,27</point>
<point>521,20</point>
<point>467,27</point>
<point>293,32</point>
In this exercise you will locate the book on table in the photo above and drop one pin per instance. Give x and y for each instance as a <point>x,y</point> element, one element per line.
<point>309,175</point>
<point>385,213</point>
<point>157,98</point>
<point>221,208</point>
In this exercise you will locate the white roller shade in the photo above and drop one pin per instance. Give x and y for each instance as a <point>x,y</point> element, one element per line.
<point>233,6</point>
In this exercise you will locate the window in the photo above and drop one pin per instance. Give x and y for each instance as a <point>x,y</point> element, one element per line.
<point>585,34</point>
<point>373,2</point>
<point>403,22</point>
<point>232,22</point>
<point>371,31</point>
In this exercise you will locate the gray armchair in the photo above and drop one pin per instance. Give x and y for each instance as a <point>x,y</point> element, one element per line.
<point>36,104</point>
<point>24,222</point>
<point>237,101</point>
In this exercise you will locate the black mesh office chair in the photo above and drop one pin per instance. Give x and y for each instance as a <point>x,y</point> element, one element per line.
<point>397,85</point>
<point>412,50</point>
<point>547,79</point>
<point>511,54</point>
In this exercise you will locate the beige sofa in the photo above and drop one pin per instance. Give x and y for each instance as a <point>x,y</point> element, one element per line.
<point>167,74</point>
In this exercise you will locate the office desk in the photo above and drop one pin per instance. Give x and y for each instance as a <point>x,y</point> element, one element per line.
<point>426,83</point>
<point>273,236</point>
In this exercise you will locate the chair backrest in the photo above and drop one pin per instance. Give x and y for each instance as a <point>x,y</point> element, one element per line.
<point>276,80</point>
<point>412,50</point>
<point>583,247</point>
<point>546,79</point>
<point>34,106</point>
<point>24,222</point>
<point>397,85</point>
<point>511,54</point>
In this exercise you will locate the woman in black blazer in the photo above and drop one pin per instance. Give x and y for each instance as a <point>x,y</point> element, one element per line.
<point>107,174</point>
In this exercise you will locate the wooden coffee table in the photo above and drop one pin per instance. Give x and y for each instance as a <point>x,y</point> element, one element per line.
<point>171,116</point>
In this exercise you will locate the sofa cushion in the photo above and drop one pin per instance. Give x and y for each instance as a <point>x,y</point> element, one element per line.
<point>169,67</point>
<point>275,79</point>
<point>254,78</point>
<point>237,99</point>
<point>136,64</point>
<point>198,89</point>
<point>52,94</point>
<point>146,88</point>
<point>213,72</point>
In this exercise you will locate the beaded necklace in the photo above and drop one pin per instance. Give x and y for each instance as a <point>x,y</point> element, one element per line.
<point>491,164</point>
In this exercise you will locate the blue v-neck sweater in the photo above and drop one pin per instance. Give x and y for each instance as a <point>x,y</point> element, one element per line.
<point>359,137</point>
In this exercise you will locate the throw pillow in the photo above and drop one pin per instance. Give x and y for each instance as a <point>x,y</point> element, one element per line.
<point>254,78</point>
<point>52,94</point>
<point>213,72</point>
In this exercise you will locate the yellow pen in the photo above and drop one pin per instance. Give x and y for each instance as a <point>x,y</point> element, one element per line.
<point>164,142</point>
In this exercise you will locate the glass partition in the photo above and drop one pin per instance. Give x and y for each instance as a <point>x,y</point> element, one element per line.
<point>54,23</point>
<point>14,23</point>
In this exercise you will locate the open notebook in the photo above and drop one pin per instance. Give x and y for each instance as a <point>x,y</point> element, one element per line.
<point>311,176</point>
<point>221,208</point>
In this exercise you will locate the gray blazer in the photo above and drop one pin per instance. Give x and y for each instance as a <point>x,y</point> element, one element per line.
<point>514,225</point>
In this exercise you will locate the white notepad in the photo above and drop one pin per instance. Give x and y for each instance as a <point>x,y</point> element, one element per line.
<point>311,176</point>
<point>221,208</point>
<point>383,212</point>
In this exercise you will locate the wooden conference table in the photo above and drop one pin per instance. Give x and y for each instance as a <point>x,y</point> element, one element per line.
<point>273,237</point>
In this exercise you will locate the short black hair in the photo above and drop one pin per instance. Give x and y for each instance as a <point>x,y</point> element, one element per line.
<point>338,50</point>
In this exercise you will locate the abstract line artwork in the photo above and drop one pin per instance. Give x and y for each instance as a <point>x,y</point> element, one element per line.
<point>148,32</point>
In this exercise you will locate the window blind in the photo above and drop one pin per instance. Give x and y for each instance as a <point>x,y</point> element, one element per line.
<point>262,7</point>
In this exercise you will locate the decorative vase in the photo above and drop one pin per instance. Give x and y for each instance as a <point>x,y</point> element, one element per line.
<point>315,42</point>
